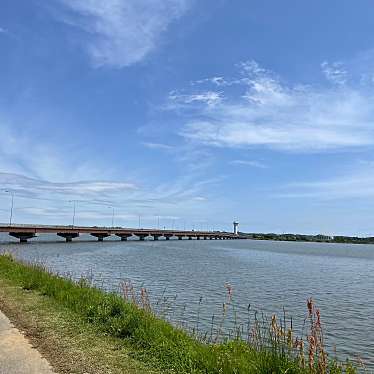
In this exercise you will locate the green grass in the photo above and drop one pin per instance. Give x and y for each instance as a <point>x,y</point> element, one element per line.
<point>70,344</point>
<point>152,340</point>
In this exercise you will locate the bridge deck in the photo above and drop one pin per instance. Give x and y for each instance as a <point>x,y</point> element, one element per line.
<point>24,232</point>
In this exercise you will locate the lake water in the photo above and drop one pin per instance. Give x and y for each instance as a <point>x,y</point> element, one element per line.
<point>268,275</point>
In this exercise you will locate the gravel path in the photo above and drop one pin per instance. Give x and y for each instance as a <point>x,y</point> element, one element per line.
<point>17,356</point>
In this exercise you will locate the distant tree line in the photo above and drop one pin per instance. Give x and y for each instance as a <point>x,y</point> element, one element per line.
<point>309,238</point>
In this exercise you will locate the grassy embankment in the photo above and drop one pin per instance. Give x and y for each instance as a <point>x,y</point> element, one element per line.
<point>80,329</point>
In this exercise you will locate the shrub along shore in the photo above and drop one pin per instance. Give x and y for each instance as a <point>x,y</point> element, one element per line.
<point>98,332</point>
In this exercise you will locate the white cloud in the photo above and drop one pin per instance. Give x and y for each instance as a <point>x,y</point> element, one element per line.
<point>160,146</point>
<point>199,198</point>
<point>210,98</point>
<point>252,163</point>
<point>335,72</point>
<point>122,32</point>
<point>246,69</point>
<point>218,81</point>
<point>2,31</point>
<point>266,112</point>
<point>82,189</point>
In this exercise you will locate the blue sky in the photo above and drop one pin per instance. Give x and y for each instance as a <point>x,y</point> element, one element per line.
<point>188,113</point>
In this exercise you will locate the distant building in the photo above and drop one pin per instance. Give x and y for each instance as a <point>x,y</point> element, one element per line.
<point>323,237</point>
<point>236,224</point>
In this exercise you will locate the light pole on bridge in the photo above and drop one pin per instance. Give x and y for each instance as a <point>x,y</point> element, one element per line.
<point>74,203</point>
<point>11,206</point>
<point>112,207</point>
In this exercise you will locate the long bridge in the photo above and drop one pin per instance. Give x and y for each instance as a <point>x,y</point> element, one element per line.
<point>26,232</point>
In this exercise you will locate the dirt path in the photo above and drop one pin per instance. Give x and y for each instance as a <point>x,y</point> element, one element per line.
<point>17,356</point>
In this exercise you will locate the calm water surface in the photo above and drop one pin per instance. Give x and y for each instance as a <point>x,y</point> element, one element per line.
<point>268,275</point>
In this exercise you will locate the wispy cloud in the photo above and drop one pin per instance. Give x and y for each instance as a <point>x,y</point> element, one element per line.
<point>36,188</point>
<point>210,98</point>
<point>44,159</point>
<point>46,175</point>
<point>160,146</point>
<point>41,200</point>
<point>264,111</point>
<point>218,81</point>
<point>200,198</point>
<point>335,72</point>
<point>122,32</point>
<point>251,163</point>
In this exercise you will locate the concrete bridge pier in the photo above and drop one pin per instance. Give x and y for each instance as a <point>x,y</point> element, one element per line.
<point>123,237</point>
<point>142,237</point>
<point>155,237</point>
<point>167,237</point>
<point>23,236</point>
<point>180,237</point>
<point>68,236</point>
<point>100,236</point>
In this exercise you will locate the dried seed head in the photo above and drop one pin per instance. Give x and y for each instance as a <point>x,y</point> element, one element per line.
<point>309,304</point>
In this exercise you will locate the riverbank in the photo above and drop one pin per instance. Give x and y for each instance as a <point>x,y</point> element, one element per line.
<point>83,330</point>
